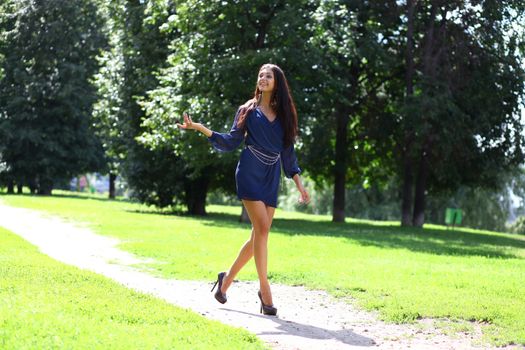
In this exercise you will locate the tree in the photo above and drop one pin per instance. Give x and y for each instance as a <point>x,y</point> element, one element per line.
<point>459,122</point>
<point>354,39</point>
<point>137,50</point>
<point>107,114</point>
<point>212,70</point>
<point>45,94</point>
<point>405,91</point>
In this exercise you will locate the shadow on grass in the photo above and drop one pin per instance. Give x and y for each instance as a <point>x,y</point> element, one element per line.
<point>71,195</point>
<point>433,241</point>
<point>88,196</point>
<point>424,240</point>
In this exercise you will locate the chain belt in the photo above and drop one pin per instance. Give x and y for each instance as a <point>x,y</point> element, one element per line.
<point>267,158</point>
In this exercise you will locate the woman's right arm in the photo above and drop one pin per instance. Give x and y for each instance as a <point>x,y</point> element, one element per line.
<point>223,142</point>
<point>188,124</point>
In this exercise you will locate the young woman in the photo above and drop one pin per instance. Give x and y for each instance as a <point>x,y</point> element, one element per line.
<point>268,125</point>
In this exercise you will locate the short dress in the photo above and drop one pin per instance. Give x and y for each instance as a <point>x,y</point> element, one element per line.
<point>259,169</point>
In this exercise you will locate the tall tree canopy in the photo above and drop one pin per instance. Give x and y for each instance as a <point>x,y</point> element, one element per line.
<point>212,70</point>
<point>424,92</point>
<point>458,122</point>
<point>49,50</point>
<point>137,51</point>
<point>355,60</point>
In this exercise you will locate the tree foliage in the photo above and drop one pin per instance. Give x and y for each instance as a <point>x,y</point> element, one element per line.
<point>355,60</point>
<point>461,125</point>
<point>49,50</point>
<point>419,98</point>
<point>137,50</point>
<point>212,70</point>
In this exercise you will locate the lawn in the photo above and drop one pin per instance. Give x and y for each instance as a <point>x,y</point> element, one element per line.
<point>45,304</point>
<point>404,273</point>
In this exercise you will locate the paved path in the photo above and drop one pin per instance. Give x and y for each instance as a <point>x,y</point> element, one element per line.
<point>307,319</point>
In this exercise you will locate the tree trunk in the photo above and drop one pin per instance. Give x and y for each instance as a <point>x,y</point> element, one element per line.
<point>19,189</point>
<point>112,178</point>
<point>198,206</point>
<point>406,201</point>
<point>429,70</point>
<point>45,187</point>
<point>10,188</point>
<point>421,184</point>
<point>409,55</point>
<point>196,191</point>
<point>32,185</point>
<point>244,215</point>
<point>342,119</point>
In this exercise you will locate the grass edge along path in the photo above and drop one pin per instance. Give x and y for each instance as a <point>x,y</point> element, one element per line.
<point>404,273</point>
<point>45,304</point>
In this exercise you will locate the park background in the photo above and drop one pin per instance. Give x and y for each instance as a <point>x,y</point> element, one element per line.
<point>405,108</point>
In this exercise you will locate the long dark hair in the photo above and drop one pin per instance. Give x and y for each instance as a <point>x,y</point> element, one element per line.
<point>281,102</point>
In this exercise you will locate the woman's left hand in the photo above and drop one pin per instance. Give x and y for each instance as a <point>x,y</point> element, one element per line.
<point>305,197</point>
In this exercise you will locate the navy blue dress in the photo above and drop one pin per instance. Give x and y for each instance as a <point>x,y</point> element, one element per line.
<point>259,168</point>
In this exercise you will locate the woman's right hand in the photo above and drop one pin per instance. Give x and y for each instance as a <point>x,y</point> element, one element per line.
<point>188,124</point>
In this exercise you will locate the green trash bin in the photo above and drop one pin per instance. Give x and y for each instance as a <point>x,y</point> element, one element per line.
<point>453,216</point>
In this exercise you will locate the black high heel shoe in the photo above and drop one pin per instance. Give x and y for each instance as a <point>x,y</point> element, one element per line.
<point>266,309</point>
<point>221,298</point>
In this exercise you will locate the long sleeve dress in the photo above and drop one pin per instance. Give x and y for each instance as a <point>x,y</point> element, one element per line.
<point>259,168</point>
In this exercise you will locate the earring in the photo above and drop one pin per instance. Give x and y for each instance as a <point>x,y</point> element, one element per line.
<point>273,101</point>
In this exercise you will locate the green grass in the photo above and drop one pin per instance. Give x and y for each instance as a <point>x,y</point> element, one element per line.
<point>48,305</point>
<point>404,273</point>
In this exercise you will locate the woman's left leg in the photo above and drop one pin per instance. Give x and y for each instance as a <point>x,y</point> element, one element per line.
<point>259,216</point>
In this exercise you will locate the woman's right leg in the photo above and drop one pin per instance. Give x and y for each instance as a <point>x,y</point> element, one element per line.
<point>261,221</point>
<point>245,254</point>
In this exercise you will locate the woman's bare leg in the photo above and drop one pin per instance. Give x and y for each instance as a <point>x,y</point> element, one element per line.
<point>261,219</point>
<point>245,254</point>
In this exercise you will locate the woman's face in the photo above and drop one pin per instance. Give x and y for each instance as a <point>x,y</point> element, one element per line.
<point>266,81</point>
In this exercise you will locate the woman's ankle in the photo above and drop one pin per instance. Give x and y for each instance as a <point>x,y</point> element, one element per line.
<point>226,282</point>
<point>266,291</point>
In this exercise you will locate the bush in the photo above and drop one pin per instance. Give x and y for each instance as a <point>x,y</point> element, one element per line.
<point>518,226</point>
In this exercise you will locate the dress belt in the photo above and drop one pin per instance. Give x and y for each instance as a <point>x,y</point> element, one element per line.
<point>265,157</point>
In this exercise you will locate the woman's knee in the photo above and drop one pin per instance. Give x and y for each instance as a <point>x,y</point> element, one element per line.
<point>261,229</point>
<point>259,217</point>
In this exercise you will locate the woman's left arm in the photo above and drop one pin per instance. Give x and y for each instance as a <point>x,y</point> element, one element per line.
<point>292,170</point>
<point>305,197</point>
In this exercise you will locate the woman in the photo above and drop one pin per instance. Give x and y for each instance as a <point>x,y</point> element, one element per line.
<point>268,125</point>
